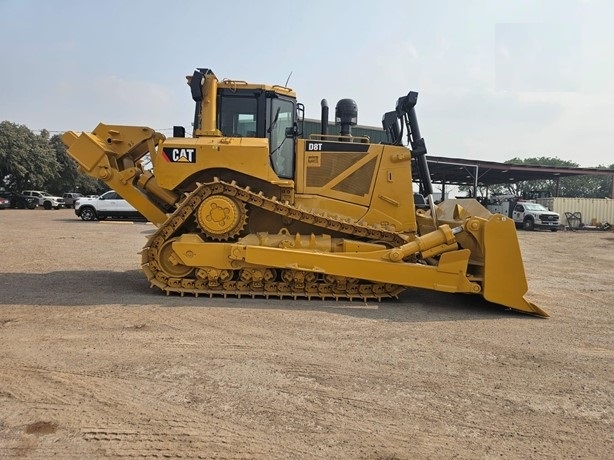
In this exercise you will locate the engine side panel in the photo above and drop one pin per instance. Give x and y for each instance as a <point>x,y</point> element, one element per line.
<point>344,177</point>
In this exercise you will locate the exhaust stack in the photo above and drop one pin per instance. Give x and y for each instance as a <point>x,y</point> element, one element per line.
<point>324,118</point>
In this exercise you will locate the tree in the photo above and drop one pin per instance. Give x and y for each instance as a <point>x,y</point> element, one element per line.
<point>573,186</point>
<point>26,159</point>
<point>40,162</point>
<point>605,183</point>
<point>545,187</point>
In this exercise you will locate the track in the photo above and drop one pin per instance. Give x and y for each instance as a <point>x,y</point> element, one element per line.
<point>219,196</point>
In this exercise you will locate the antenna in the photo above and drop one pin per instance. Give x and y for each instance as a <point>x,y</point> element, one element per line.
<point>288,79</point>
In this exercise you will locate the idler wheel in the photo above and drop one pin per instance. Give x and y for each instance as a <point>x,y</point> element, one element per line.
<point>169,263</point>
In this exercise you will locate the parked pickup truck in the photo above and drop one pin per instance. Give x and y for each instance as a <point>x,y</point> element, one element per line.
<point>526,214</point>
<point>109,204</point>
<point>70,198</point>
<point>533,215</point>
<point>46,200</point>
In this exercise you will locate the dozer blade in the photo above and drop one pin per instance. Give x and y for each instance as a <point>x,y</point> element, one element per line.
<point>496,270</point>
<point>504,278</point>
<point>495,251</point>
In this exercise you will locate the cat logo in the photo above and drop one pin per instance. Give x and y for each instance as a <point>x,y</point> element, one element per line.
<point>175,155</point>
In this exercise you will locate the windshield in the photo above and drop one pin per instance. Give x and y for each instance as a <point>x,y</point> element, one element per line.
<point>534,207</point>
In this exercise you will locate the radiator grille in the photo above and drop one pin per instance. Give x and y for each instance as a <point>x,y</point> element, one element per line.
<point>331,165</point>
<point>359,181</point>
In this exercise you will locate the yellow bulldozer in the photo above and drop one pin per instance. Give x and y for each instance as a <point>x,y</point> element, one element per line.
<point>249,206</point>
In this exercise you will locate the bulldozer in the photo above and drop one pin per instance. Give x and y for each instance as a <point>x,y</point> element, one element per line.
<point>249,206</point>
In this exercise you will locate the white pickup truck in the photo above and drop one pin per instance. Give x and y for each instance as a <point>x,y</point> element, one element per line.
<point>534,215</point>
<point>46,200</point>
<point>109,204</point>
<point>526,214</point>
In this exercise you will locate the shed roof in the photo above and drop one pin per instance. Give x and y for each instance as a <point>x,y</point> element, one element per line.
<point>462,171</point>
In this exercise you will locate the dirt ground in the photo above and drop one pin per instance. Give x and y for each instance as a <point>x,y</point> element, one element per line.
<point>95,364</point>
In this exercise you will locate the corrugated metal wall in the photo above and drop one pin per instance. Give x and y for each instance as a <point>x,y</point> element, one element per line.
<point>594,210</point>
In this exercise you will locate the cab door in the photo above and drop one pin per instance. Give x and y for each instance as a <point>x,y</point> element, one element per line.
<point>518,213</point>
<point>281,147</point>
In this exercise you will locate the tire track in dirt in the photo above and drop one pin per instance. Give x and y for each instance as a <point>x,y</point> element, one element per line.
<point>103,405</point>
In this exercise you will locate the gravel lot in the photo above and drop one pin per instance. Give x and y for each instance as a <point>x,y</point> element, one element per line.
<point>95,364</point>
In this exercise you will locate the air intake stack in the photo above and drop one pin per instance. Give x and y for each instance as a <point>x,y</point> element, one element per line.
<point>346,115</point>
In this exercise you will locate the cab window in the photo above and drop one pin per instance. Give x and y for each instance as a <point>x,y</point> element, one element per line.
<point>237,116</point>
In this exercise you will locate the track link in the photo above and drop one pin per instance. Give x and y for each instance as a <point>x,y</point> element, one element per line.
<point>265,282</point>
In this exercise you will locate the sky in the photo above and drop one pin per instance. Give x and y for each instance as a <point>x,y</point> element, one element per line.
<point>497,79</point>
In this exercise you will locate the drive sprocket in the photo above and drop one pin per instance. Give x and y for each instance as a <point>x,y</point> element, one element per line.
<point>221,217</point>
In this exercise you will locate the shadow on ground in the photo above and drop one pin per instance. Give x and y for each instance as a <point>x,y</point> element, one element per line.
<point>130,289</point>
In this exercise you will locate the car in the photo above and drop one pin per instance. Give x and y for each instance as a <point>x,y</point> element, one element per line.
<point>4,203</point>
<point>17,200</point>
<point>109,204</point>
<point>46,200</point>
<point>70,198</point>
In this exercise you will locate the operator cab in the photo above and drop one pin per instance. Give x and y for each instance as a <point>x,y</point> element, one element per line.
<point>240,109</point>
<point>260,113</point>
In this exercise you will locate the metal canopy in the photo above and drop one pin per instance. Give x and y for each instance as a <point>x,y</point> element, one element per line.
<point>462,171</point>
